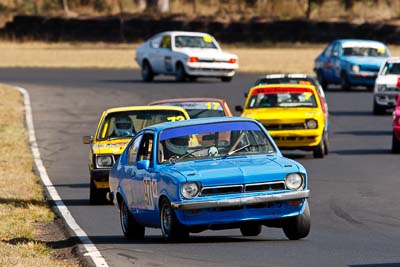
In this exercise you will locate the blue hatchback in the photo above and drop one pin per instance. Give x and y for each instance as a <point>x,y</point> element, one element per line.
<point>350,62</point>
<point>212,173</point>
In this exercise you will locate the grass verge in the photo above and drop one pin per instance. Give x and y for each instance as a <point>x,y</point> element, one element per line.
<point>260,58</point>
<point>24,212</point>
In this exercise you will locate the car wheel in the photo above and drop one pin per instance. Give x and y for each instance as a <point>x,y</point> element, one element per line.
<point>321,80</point>
<point>378,109</point>
<point>251,229</point>
<point>180,74</point>
<point>130,228</point>
<point>96,196</point>
<point>344,81</point>
<point>319,150</point>
<point>299,226</point>
<point>395,144</point>
<point>192,78</point>
<point>326,144</point>
<point>171,228</point>
<point>226,79</point>
<point>147,72</point>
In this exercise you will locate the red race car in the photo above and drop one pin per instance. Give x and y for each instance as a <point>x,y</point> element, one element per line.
<point>396,127</point>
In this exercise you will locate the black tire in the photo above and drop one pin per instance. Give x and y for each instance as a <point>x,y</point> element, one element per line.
<point>226,79</point>
<point>96,196</point>
<point>395,145</point>
<point>171,228</point>
<point>130,228</point>
<point>251,229</point>
<point>321,80</point>
<point>299,226</point>
<point>192,78</point>
<point>147,72</point>
<point>319,150</point>
<point>344,81</point>
<point>180,73</point>
<point>378,109</point>
<point>326,144</point>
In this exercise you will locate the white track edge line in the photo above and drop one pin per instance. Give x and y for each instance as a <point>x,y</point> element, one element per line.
<point>91,249</point>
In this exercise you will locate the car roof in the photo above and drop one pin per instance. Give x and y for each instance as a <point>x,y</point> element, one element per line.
<point>176,124</point>
<point>287,75</point>
<point>189,99</point>
<point>136,108</point>
<point>185,33</point>
<point>366,41</point>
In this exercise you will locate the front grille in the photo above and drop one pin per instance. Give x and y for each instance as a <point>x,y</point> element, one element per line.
<point>245,188</point>
<point>288,126</point>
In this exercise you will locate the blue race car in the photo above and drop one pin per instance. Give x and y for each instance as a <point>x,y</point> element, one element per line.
<point>211,173</point>
<point>350,62</point>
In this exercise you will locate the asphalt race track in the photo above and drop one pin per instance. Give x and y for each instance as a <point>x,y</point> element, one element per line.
<point>355,190</point>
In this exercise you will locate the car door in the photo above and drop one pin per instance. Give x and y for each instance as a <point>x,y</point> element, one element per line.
<point>130,182</point>
<point>336,62</point>
<point>166,65</point>
<point>154,53</point>
<point>146,182</point>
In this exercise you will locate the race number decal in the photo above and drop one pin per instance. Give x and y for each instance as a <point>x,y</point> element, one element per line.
<point>176,118</point>
<point>213,105</point>
<point>148,198</point>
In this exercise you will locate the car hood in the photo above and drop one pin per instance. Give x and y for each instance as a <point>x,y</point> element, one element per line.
<point>387,79</point>
<point>281,115</point>
<point>366,61</point>
<point>237,170</point>
<point>207,54</point>
<point>115,147</point>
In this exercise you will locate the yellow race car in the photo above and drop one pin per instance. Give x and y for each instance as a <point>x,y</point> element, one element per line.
<point>115,129</point>
<point>294,115</point>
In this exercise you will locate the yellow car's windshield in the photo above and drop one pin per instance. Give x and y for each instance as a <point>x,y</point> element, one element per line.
<point>282,97</point>
<point>127,123</point>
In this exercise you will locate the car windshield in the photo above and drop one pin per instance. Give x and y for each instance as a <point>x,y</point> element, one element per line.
<point>282,97</point>
<point>126,123</point>
<point>391,69</point>
<point>200,109</point>
<point>365,51</point>
<point>212,140</point>
<point>187,41</point>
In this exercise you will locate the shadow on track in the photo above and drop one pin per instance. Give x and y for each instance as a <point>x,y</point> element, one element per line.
<point>363,152</point>
<point>366,133</point>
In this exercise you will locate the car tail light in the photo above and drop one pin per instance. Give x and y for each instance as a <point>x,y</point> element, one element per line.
<point>232,60</point>
<point>398,82</point>
<point>193,59</point>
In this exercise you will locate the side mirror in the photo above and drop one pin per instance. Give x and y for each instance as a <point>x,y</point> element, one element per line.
<point>88,139</point>
<point>246,95</point>
<point>143,164</point>
<point>239,108</point>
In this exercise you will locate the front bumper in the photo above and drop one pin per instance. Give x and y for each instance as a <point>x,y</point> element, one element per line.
<point>362,78</point>
<point>241,201</point>
<point>387,99</point>
<point>100,177</point>
<point>297,139</point>
<point>211,69</point>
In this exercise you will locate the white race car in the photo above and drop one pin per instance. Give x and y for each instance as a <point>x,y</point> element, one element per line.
<point>387,85</point>
<point>186,55</point>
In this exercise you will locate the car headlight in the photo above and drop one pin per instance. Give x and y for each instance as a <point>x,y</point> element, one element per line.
<point>189,190</point>
<point>312,124</point>
<point>381,88</point>
<point>355,68</point>
<point>294,181</point>
<point>104,161</point>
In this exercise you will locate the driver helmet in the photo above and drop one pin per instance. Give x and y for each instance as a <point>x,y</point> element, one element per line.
<point>123,126</point>
<point>178,145</point>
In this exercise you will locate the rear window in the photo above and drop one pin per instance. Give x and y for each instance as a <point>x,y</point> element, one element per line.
<point>200,109</point>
